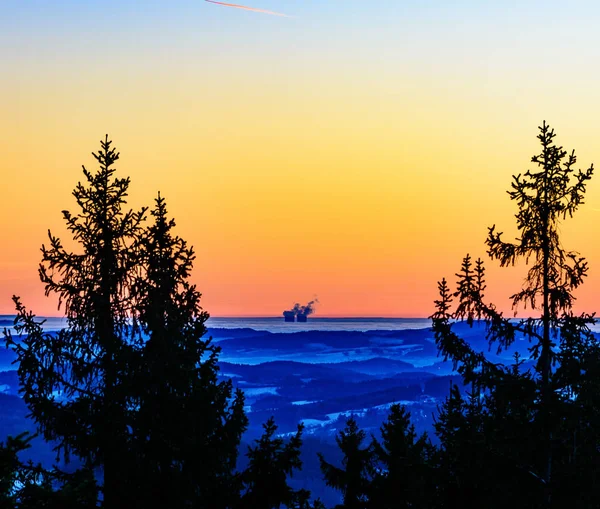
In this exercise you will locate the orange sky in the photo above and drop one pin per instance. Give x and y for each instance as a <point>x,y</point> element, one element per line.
<point>301,157</point>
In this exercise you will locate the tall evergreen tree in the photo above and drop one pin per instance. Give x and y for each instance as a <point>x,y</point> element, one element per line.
<point>459,436</point>
<point>265,484</point>
<point>188,427</point>
<point>405,473</point>
<point>354,479</point>
<point>544,198</point>
<point>73,381</point>
<point>130,386</point>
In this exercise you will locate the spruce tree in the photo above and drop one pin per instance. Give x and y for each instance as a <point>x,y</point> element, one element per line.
<point>73,381</point>
<point>272,460</point>
<point>131,387</point>
<point>188,427</point>
<point>354,479</point>
<point>405,469</point>
<point>458,449</point>
<point>545,197</point>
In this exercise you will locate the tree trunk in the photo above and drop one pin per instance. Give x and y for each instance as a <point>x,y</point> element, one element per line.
<point>545,413</point>
<point>111,441</point>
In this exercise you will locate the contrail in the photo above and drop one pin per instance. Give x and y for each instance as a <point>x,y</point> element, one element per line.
<point>245,8</point>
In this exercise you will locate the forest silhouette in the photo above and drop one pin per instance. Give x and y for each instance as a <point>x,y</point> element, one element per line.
<point>130,388</point>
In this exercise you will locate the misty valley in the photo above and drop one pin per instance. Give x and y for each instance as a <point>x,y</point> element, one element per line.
<point>317,377</point>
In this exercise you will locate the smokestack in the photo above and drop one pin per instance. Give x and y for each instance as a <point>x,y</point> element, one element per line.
<point>300,313</point>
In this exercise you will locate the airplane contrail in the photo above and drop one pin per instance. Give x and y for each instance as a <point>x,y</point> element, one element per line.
<point>245,8</point>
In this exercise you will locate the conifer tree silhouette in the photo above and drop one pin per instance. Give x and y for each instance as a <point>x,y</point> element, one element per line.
<point>532,403</point>
<point>188,427</point>
<point>129,386</point>
<point>271,462</point>
<point>544,197</point>
<point>86,363</point>
<point>405,472</point>
<point>354,479</point>
<point>27,485</point>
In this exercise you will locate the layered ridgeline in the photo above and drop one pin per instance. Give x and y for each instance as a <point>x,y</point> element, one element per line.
<point>317,377</point>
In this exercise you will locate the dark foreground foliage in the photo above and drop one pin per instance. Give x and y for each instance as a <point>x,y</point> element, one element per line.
<point>130,387</point>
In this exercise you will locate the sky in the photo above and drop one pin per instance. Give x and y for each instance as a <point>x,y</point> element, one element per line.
<point>354,150</point>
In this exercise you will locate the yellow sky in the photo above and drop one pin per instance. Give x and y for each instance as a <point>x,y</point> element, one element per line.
<point>302,163</point>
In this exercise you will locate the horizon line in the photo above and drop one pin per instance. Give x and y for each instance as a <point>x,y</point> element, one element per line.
<point>312,317</point>
<point>369,317</point>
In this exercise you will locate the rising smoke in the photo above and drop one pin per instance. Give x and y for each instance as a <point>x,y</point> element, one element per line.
<point>309,309</point>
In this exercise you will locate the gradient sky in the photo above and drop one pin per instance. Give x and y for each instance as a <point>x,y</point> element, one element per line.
<point>355,151</point>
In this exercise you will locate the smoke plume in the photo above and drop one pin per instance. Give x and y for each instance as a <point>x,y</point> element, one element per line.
<point>309,309</point>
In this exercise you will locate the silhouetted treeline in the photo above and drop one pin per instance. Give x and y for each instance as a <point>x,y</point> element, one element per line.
<point>131,389</point>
